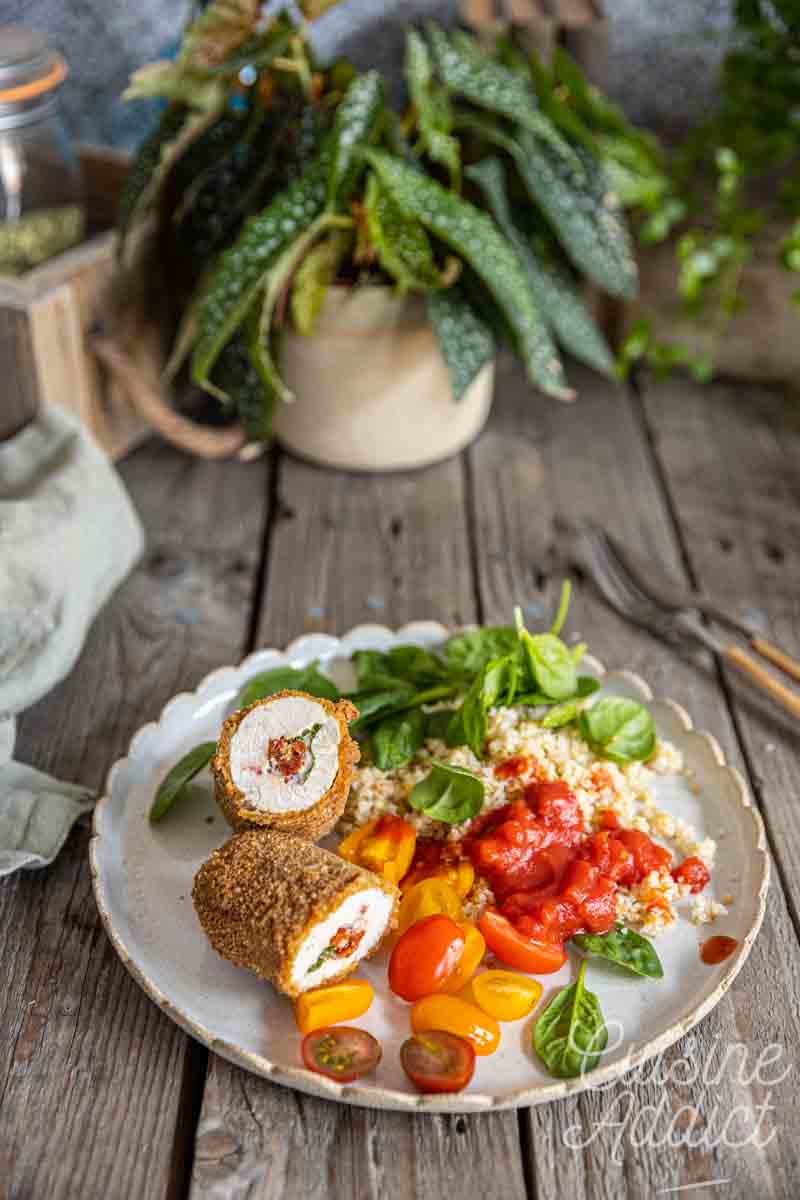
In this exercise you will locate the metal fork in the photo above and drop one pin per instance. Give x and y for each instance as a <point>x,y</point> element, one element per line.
<point>630,587</point>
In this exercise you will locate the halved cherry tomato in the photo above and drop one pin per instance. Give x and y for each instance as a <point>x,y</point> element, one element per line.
<point>467,965</point>
<point>385,846</point>
<point>457,1016</point>
<point>460,876</point>
<point>341,1052</point>
<point>505,995</point>
<point>425,957</point>
<point>516,950</point>
<point>438,1061</point>
<point>328,1005</point>
<point>430,896</point>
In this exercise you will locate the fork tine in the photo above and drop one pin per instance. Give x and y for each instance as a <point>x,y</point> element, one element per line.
<point>614,581</point>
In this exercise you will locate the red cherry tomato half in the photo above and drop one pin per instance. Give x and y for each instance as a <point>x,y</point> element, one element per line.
<point>437,1061</point>
<point>425,957</point>
<point>515,950</point>
<point>341,1052</point>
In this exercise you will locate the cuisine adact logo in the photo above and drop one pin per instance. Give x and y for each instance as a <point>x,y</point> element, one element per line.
<point>692,1108</point>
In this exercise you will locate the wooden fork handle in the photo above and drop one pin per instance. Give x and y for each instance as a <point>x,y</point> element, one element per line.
<point>779,657</point>
<point>761,678</point>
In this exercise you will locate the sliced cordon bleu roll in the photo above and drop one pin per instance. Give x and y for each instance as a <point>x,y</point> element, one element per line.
<point>286,762</point>
<point>288,910</point>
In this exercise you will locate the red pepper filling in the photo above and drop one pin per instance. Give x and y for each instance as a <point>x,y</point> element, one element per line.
<point>550,879</point>
<point>345,941</point>
<point>286,755</point>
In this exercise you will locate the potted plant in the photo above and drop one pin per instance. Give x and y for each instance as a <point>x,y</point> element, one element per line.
<point>343,274</point>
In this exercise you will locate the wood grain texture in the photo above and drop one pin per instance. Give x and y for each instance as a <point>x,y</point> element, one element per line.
<point>731,459</point>
<point>346,549</point>
<point>539,468</point>
<point>90,1071</point>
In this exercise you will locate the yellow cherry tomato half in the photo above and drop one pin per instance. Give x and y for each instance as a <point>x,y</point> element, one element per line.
<point>454,1015</point>
<point>471,956</point>
<point>460,876</point>
<point>426,899</point>
<point>385,846</point>
<point>331,1005</point>
<point>506,995</point>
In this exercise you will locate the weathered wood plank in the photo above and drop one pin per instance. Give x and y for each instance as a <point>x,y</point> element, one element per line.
<point>538,467</point>
<point>90,1071</point>
<point>731,458</point>
<point>351,549</point>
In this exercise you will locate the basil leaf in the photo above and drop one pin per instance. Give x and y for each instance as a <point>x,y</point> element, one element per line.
<point>619,729</point>
<point>625,947</point>
<point>466,653</point>
<point>437,723</point>
<point>176,779</point>
<point>397,739</point>
<point>571,1033</point>
<point>372,705</point>
<point>448,794</point>
<point>298,679</point>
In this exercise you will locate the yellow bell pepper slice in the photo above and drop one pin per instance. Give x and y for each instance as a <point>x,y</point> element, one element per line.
<point>506,995</point>
<point>426,898</point>
<point>471,957</point>
<point>331,1005</point>
<point>385,845</point>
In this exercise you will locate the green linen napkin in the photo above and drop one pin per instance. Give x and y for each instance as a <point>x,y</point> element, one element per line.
<point>68,537</point>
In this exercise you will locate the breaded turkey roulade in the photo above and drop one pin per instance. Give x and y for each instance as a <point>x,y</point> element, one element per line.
<point>286,762</point>
<point>292,912</point>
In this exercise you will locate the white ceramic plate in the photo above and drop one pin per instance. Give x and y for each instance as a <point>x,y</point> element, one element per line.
<point>143,877</point>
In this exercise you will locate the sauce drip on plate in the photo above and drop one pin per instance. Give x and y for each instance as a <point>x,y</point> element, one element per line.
<point>716,949</point>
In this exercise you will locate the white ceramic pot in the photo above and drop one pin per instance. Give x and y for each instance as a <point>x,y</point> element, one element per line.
<point>372,389</point>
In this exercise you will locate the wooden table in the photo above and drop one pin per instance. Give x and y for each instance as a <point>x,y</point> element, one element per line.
<point>102,1096</point>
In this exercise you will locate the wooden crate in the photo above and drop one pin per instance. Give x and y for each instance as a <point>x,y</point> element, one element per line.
<point>46,317</point>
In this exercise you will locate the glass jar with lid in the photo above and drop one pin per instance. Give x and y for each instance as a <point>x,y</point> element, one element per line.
<point>41,209</point>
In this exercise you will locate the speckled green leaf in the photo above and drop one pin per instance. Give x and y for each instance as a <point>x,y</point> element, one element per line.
<point>314,276</point>
<point>466,341</point>
<point>401,243</point>
<point>354,127</point>
<point>585,214</point>
<point>140,178</point>
<point>243,268</point>
<point>235,374</point>
<point>493,86</point>
<point>558,300</point>
<point>474,236</point>
<point>434,118</point>
<point>583,211</point>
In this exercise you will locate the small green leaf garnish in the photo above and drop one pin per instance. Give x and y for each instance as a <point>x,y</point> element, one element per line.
<point>625,947</point>
<point>178,776</point>
<point>450,794</point>
<point>619,729</point>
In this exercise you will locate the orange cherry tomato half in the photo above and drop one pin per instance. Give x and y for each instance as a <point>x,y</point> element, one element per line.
<point>341,1052</point>
<point>455,1015</point>
<point>467,965</point>
<point>328,1005</point>
<point>516,950</point>
<point>429,896</point>
<point>438,1061</point>
<point>425,957</point>
<point>506,995</point>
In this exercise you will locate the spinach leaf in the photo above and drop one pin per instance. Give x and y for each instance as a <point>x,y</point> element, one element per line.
<point>619,729</point>
<point>625,947</point>
<point>397,738</point>
<point>448,794</point>
<point>561,714</point>
<point>176,779</point>
<point>372,705</point>
<point>437,723</point>
<point>466,653</point>
<point>489,689</point>
<point>587,685</point>
<point>372,670</point>
<point>416,665</point>
<point>571,1033</point>
<point>299,679</point>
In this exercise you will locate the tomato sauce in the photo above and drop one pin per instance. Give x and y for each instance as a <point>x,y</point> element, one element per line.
<point>692,871</point>
<point>512,768</point>
<point>550,879</point>
<point>716,949</point>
